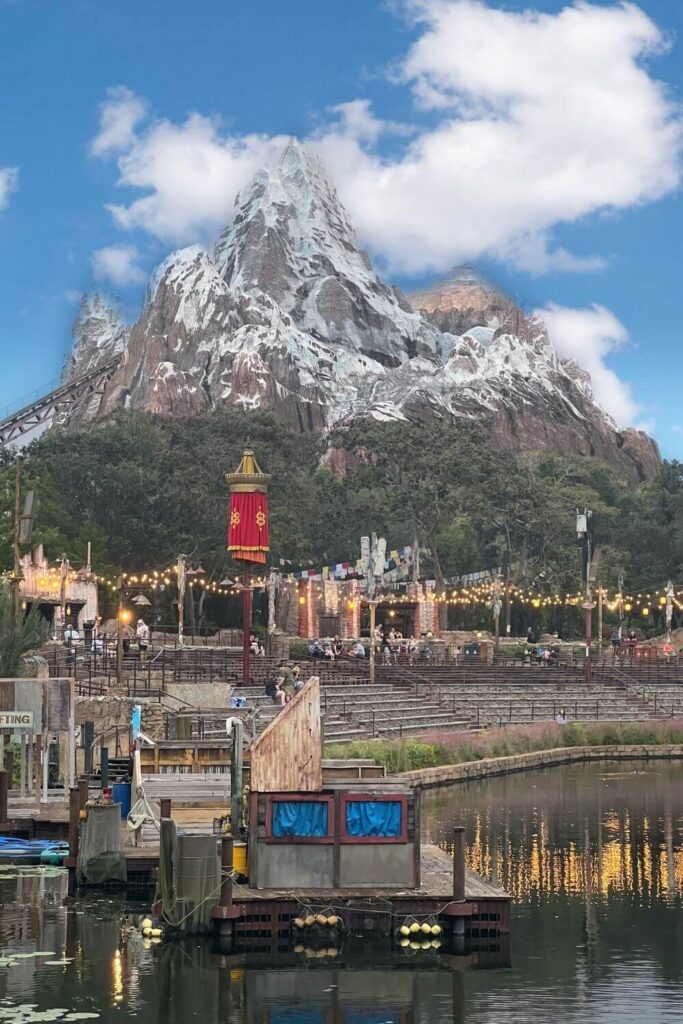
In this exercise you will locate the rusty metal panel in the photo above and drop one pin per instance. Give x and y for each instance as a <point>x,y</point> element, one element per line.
<point>287,756</point>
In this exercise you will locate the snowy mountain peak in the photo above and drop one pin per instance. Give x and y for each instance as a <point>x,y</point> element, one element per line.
<point>99,334</point>
<point>288,314</point>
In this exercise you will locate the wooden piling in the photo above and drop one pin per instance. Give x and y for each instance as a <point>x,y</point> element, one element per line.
<point>74,822</point>
<point>38,766</point>
<point>165,807</point>
<point>4,786</point>
<point>226,871</point>
<point>224,913</point>
<point>459,864</point>
<point>83,791</point>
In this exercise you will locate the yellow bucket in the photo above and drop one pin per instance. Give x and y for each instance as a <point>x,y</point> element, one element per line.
<point>240,863</point>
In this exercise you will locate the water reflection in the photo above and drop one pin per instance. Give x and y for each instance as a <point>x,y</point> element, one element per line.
<point>583,829</point>
<point>93,959</point>
<point>593,856</point>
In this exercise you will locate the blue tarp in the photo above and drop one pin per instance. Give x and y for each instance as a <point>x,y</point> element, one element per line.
<point>304,818</point>
<point>380,818</point>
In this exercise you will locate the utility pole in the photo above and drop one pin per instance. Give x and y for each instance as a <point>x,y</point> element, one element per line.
<point>497,605</point>
<point>119,638</point>
<point>584,532</point>
<point>373,550</point>
<point>16,603</point>
<point>182,568</point>
<point>600,597</point>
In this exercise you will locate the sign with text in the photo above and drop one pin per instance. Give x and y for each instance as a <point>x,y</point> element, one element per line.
<point>16,720</point>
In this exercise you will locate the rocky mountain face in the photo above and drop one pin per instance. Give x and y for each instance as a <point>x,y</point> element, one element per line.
<point>288,314</point>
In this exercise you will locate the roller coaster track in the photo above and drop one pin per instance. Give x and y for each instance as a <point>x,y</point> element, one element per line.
<point>43,409</point>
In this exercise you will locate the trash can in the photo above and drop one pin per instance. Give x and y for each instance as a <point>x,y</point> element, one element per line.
<point>121,795</point>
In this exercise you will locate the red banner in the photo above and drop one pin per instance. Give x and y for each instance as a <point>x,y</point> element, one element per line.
<point>248,538</point>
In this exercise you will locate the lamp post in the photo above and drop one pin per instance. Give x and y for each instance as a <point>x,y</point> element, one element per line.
<point>248,538</point>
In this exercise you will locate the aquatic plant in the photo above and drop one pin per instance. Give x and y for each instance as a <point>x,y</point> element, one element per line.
<point>442,747</point>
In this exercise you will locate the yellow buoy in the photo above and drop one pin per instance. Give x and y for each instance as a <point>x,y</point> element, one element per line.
<point>147,932</point>
<point>147,922</point>
<point>414,928</point>
<point>404,930</point>
<point>156,933</point>
<point>320,919</point>
<point>83,814</point>
<point>321,953</point>
<point>298,949</point>
<point>414,945</point>
<point>146,943</point>
<point>333,920</point>
<point>332,951</point>
<point>436,929</point>
<point>310,920</point>
<point>435,943</point>
<point>299,922</point>
<point>426,929</point>
<point>155,942</point>
<point>405,942</point>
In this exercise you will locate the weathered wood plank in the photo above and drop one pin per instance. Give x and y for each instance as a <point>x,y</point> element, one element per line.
<point>287,756</point>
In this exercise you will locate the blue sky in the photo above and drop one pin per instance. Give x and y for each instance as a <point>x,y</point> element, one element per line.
<point>455,130</point>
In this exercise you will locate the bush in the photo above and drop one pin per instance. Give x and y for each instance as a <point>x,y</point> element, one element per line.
<point>441,748</point>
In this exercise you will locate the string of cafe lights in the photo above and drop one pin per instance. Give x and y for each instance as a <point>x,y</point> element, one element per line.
<point>642,602</point>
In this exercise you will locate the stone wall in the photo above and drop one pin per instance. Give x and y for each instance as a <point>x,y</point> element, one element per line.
<point>449,774</point>
<point>111,711</point>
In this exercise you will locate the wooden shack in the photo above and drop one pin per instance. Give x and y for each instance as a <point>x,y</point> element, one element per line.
<point>341,834</point>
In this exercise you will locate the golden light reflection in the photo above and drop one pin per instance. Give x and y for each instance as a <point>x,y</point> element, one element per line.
<point>612,856</point>
<point>117,976</point>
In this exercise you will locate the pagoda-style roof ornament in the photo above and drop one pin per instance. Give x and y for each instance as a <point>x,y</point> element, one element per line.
<point>248,476</point>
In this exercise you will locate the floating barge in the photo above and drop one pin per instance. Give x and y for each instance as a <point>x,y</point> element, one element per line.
<point>317,844</point>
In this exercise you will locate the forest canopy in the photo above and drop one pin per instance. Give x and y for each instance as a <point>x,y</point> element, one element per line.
<point>143,488</point>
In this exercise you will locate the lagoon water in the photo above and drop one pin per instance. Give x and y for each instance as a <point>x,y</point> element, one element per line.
<point>593,856</point>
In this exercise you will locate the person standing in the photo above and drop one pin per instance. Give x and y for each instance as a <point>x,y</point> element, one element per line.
<point>142,637</point>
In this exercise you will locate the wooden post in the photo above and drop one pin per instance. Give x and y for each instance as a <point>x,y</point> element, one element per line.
<point>4,786</point>
<point>74,813</point>
<point>22,764</point>
<point>119,639</point>
<point>373,613</point>
<point>83,791</point>
<point>459,864</point>
<point>74,822</point>
<point>38,765</point>
<point>165,807</point>
<point>246,628</point>
<point>226,872</point>
<point>16,602</point>
<point>9,765</point>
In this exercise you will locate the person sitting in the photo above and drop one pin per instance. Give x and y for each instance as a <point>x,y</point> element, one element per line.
<point>561,717</point>
<point>338,647</point>
<point>274,690</point>
<point>357,650</point>
<point>315,649</point>
<point>287,680</point>
<point>328,653</point>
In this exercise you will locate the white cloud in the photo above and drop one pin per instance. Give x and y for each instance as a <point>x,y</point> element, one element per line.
<point>118,265</point>
<point>9,181</point>
<point>590,336</point>
<point>190,174</point>
<point>120,114</point>
<point>533,120</point>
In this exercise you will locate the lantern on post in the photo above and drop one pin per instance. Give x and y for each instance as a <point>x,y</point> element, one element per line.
<point>248,533</point>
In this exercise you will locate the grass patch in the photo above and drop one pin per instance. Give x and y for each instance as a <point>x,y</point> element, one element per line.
<point>440,748</point>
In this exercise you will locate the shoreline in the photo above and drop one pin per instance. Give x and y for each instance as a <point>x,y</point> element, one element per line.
<point>490,767</point>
